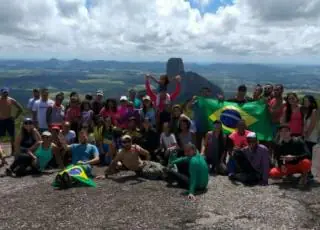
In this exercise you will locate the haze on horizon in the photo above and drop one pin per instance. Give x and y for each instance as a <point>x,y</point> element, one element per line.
<point>201,31</point>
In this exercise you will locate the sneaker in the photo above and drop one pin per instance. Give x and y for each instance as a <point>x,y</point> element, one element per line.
<point>67,180</point>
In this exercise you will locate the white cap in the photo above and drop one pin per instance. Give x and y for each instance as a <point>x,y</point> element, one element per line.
<point>46,134</point>
<point>123,98</point>
<point>147,97</point>
<point>252,135</point>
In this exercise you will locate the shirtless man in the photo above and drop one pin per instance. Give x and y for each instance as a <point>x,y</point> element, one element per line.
<point>129,158</point>
<point>7,121</point>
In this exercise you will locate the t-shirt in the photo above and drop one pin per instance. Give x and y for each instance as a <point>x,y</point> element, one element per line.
<point>83,152</point>
<point>136,103</point>
<point>44,156</point>
<point>41,108</point>
<point>70,136</point>
<point>276,116</point>
<point>168,141</point>
<point>31,103</point>
<point>239,140</point>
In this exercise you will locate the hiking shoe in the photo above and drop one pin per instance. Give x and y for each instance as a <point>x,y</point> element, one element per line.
<point>67,180</point>
<point>60,181</point>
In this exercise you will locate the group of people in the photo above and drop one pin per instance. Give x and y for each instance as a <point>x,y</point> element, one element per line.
<point>158,139</point>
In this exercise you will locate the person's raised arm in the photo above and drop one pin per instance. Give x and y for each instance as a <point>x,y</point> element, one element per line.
<point>149,91</point>
<point>63,142</point>
<point>176,92</point>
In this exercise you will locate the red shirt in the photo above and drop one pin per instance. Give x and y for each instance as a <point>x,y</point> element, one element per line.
<point>73,113</point>
<point>276,116</point>
<point>108,113</point>
<point>239,140</point>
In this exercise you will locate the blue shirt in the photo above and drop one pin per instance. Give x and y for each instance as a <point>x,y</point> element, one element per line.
<point>83,152</point>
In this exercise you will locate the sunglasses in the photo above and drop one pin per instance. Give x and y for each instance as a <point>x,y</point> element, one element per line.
<point>45,137</point>
<point>28,123</point>
<point>125,142</point>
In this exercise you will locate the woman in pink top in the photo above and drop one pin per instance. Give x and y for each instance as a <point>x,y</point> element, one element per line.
<point>163,98</point>
<point>123,112</point>
<point>292,115</point>
<point>239,137</point>
<point>110,110</point>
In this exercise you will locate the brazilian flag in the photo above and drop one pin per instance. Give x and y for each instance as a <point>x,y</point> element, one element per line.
<point>75,175</point>
<point>255,114</point>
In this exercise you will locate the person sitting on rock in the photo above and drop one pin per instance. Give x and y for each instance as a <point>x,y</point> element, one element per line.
<point>292,155</point>
<point>252,163</point>
<point>192,172</point>
<point>162,98</point>
<point>129,158</point>
<point>83,153</point>
<point>37,158</point>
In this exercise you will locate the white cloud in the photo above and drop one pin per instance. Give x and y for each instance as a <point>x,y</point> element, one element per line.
<point>157,29</point>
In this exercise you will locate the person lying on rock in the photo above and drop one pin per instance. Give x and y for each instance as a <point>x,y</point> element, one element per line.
<point>83,153</point>
<point>251,163</point>
<point>129,158</point>
<point>36,159</point>
<point>292,155</point>
<point>192,173</point>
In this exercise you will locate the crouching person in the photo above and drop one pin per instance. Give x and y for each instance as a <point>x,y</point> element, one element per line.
<point>251,163</point>
<point>192,173</point>
<point>129,158</point>
<point>36,159</point>
<point>292,155</point>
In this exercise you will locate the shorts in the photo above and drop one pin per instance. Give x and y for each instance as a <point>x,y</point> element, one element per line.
<point>7,125</point>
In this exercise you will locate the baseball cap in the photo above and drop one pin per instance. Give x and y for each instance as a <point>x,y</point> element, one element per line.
<point>126,137</point>
<point>252,135</point>
<point>56,127</point>
<point>99,92</point>
<point>4,90</point>
<point>123,98</point>
<point>146,98</point>
<point>46,134</point>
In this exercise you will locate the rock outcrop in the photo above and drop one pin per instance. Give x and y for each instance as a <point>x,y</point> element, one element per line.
<point>191,83</point>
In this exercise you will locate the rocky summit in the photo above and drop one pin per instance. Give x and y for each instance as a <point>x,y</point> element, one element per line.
<point>191,83</point>
<point>127,202</point>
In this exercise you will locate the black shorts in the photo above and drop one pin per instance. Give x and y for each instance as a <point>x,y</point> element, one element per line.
<point>7,125</point>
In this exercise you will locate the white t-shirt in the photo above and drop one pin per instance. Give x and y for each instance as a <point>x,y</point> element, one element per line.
<point>41,108</point>
<point>168,141</point>
<point>70,137</point>
<point>31,103</point>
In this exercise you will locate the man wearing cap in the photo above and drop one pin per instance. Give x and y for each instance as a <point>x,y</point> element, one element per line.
<point>133,131</point>
<point>40,108</point>
<point>252,163</point>
<point>134,99</point>
<point>292,155</point>
<point>7,121</point>
<point>129,158</point>
<point>97,104</point>
<point>37,157</point>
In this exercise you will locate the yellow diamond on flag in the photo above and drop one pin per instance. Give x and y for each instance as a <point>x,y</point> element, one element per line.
<point>230,115</point>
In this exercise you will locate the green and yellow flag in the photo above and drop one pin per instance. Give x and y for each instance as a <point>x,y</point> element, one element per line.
<point>255,114</point>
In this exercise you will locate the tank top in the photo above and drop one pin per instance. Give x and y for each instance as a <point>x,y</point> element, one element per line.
<point>27,141</point>
<point>296,122</point>
<point>57,114</point>
<point>314,134</point>
<point>44,156</point>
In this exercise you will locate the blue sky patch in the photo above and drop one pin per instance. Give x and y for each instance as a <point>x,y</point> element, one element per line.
<point>212,7</point>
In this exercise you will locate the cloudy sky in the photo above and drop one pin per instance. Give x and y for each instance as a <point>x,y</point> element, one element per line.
<point>153,30</point>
